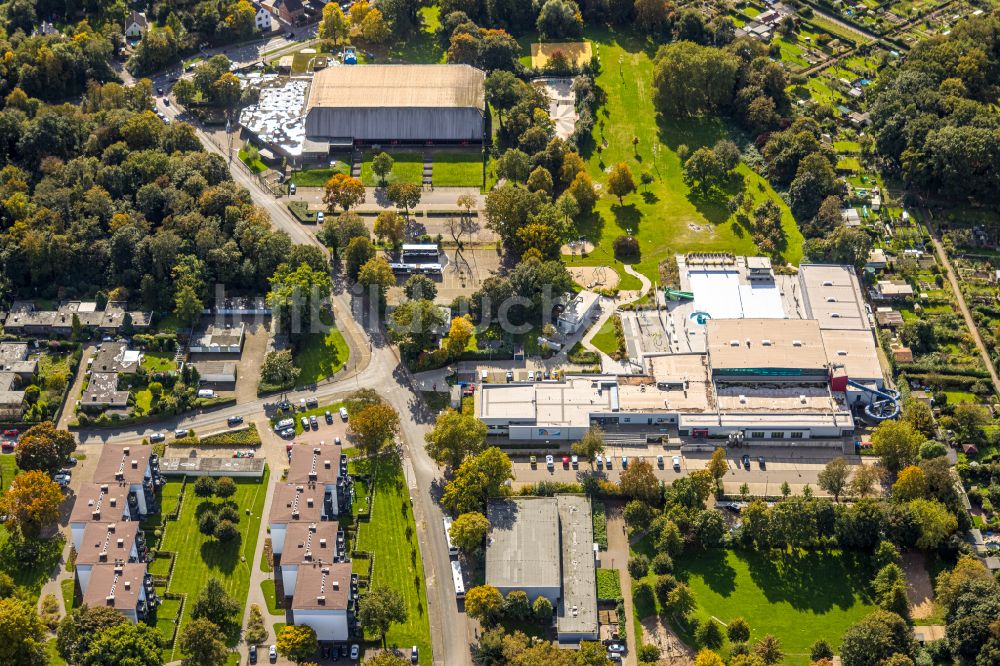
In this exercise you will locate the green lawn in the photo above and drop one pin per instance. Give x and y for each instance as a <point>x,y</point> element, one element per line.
<point>69,593</point>
<point>322,355</point>
<point>408,167</point>
<point>143,401</point>
<point>959,397</point>
<point>458,168</point>
<point>422,45</point>
<point>397,560</point>
<point>800,597</point>
<point>318,177</point>
<point>8,470</point>
<point>667,217</point>
<point>200,557</point>
<point>256,165</point>
<point>605,339</point>
<point>158,361</point>
<point>267,587</point>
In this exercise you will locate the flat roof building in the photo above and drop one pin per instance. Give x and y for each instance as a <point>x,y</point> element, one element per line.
<point>219,339</point>
<point>577,311</point>
<point>765,349</point>
<point>322,599</point>
<point>120,586</point>
<point>832,296</point>
<point>544,546</point>
<point>406,103</point>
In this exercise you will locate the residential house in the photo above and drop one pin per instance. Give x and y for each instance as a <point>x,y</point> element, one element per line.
<point>24,319</point>
<point>288,11</point>
<point>306,545</point>
<point>322,600</point>
<point>16,371</point>
<point>292,504</point>
<point>136,25</point>
<point>891,290</point>
<point>127,588</point>
<point>877,260</point>
<point>219,339</point>
<point>97,503</point>
<point>130,467</point>
<point>107,543</point>
<point>263,18</point>
<point>322,466</point>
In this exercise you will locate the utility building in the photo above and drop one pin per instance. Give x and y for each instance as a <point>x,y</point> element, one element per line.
<point>394,104</point>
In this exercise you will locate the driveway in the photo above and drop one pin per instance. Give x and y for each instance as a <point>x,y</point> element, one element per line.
<point>617,558</point>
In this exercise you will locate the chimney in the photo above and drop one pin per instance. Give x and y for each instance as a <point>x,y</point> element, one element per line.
<point>135,464</point>
<point>114,502</point>
<point>316,450</point>
<point>321,600</point>
<point>128,585</point>
<point>326,464</point>
<point>308,556</point>
<point>112,527</point>
<point>309,502</point>
<point>96,514</point>
<point>322,543</point>
<point>103,557</point>
<point>336,584</point>
<point>126,450</point>
<point>295,514</point>
<point>110,600</point>
<point>104,487</point>
<point>121,543</point>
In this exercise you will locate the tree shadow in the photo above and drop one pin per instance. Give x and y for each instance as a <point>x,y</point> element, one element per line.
<point>712,567</point>
<point>223,556</point>
<point>650,198</point>
<point>810,580</point>
<point>627,216</point>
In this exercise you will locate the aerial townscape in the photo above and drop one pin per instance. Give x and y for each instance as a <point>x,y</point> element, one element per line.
<point>500,332</point>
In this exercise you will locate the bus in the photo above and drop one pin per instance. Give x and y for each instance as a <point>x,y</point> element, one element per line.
<point>420,253</point>
<point>456,573</point>
<point>447,535</point>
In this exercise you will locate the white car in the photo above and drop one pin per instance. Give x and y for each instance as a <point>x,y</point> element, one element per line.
<point>624,462</point>
<point>600,462</point>
<point>676,462</point>
<point>272,654</point>
<point>62,480</point>
<point>549,461</point>
<point>355,651</point>
<point>607,461</point>
<point>320,216</point>
<point>575,460</point>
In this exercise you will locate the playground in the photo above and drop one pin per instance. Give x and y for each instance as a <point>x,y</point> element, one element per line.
<point>594,277</point>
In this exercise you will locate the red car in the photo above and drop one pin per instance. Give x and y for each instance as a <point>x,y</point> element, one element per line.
<point>14,432</point>
<point>7,446</point>
<point>565,461</point>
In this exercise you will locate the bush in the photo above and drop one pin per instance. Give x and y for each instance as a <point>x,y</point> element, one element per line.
<point>229,512</point>
<point>226,531</point>
<point>207,523</point>
<point>225,487</point>
<point>709,634</point>
<point>204,486</point>
<point>738,631</point>
<point>542,608</point>
<point>638,566</point>
<point>662,564</point>
<point>626,247</point>
<point>648,653</point>
<point>664,584</point>
<point>820,650</point>
<point>517,605</point>
<point>931,449</point>
<point>642,597</point>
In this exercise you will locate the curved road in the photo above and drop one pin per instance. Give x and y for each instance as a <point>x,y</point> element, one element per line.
<point>377,366</point>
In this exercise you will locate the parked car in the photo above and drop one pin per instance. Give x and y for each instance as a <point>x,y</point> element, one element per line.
<point>565,461</point>
<point>180,433</point>
<point>343,414</point>
<point>62,479</point>
<point>328,416</point>
<point>676,462</point>
<point>575,461</point>
<point>287,432</point>
<point>305,423</point>
<point>355,651</point>
<point>760,461</point>
<point>746,461</point>
<point>314,422</point>
<point>234,420</point>
<point>600,462</point>
<point>320,217</point>
<point>157,437</point>
<point>510,376</point>
<point>533,461</point>
<point>166,102</point>
<point>253,654</point>
<point>291,188</point>
<point>414,655</point>
<point>659,461</point>
<point>272,654</point>
<point>531,375</point>
<point>7,446</point>
<point>624,462</point>
<point>11,432</point>
<point>549,461</point>
<point>607,461</point>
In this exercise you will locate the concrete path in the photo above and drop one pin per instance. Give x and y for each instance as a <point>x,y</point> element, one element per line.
<point>617,558</point>
<point>608,308</point>
<point>76,388</point>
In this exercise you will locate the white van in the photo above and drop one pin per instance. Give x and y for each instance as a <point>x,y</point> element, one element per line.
<point>284,423</point>
<point>484,376</point>
<point>343,414</point>
<point>206,393</point>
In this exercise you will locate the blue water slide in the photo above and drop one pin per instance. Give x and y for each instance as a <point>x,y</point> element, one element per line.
<point>884,404</point>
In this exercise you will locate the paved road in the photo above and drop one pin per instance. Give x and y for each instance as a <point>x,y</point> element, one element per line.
<point>960,299</point>
<point>378,367</point>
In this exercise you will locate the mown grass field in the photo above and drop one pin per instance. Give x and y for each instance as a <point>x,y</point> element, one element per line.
<point>457,168</point>
<point>200,557</point>
<point>665,216</point>
<point>397,557</point>
<point>799,597</point>
<point>321,356</point>
<point>407,167</point>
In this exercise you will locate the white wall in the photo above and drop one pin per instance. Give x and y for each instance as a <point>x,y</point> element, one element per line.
<point>277,538</point>
<point>550,593</point>
<point>83,573</point>
<point>289,573</point>
<point>329,625</point>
